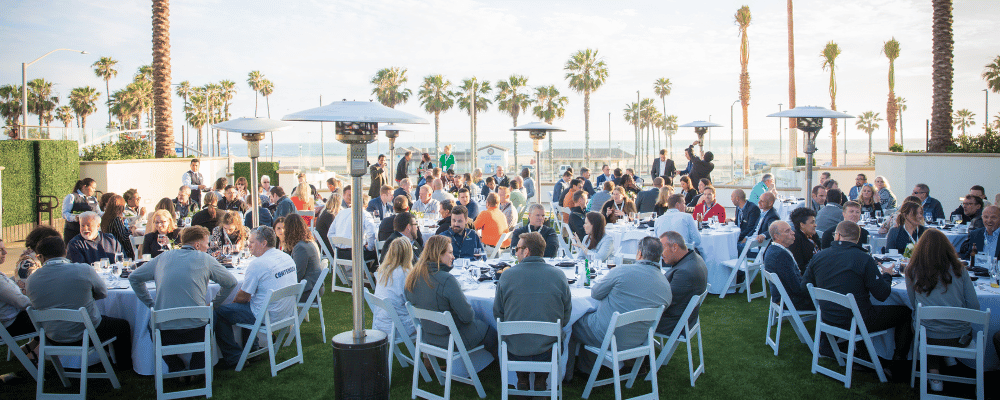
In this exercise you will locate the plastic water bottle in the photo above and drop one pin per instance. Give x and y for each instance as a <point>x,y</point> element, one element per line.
<point>586,273</point>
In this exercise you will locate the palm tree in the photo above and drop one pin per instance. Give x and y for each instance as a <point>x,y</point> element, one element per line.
<point>868,122</point>
<point>184,91</point>
<point>793,149</point>
<point>266,88</point>
<point>512,100</point>
<point>141,94</point>
<point>436,97</point>
<point>992,75</point>
<point>83,100</point>
<point>194,113</point>
<point>662,88</point>
<point>900,107</point>
<point>743,21</point>
<point>647,112</point>
<point>670,126</point>
<point>586,73</point>
<point>996,121</point>
<point>105,69</point>
<point>65,115</point>
<point>963,119</point>
<point>389,86</point>
<point>41,100</point>
<point>10,108</point>
<point>891,51</point>
<point>942,75</point>
<point>227,90</point>
<point>254,79</point>
<point>829,56</point>
<point>549,105</point>
<point>473,97</point>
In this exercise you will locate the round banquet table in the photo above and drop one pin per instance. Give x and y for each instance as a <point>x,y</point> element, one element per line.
<point>123,303</point>
<point>719,245</point>
<point>878,240</point>
<point>786,207</point>
<point>989,298</point>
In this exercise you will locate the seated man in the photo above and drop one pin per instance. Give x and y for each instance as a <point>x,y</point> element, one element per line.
<point>984,239</point>
<point>860,181</point>
<point>532,290</point>
<point>381,206</point>
<point>67,285</point>
<point>688,278</point>
<point>425,203</point>
<point>601,197</point>
<point>232,201</point>
<point>746,213</point>
<point>444,210</point>
<point>342,227</point>
<point>439,193</point>
<point>465,243</point>
<point>500,178</point>
<point>645,201</point>
<point>676,220</point>
<point>492,223</point>
<point>931,205</point>
<point>182,277</point>
<point>625,288</point>
<point>283,206</point>
<point>970,212</point>
<point>766,185</point>
<point>271,270</point>
<point>405,225</point>
<point>708,208</point>
<point>832,213</point>
<point>465,200</point>
<point>852,212</point>
<point>818,199</point>
<point>184,205</point>
<point>403,189</point>
<point>536,221</point>
<point>847,268</point>
<point>92,244</point>
<point>767,215</point>
<point>489,187</point>
<point>577,214</point>
<point>779,260</point>
<point>399,204</point>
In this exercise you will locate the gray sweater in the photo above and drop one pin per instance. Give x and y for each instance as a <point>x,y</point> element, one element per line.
<point>307,265</point>
<point>532,291</point>
<point>960,293</point>
<point>443,293</point>
<point>627,288</point>
<point>181,277</point>
<point>64,285</point>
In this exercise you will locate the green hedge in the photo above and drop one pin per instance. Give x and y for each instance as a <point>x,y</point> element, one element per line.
<point>125,148</point>
<point>988,142</point>
<point>33,168</point>
<point>242,169</point>
<point>59,167</point>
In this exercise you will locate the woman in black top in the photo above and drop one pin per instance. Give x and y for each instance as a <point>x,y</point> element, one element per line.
<point>661,200</point>
<point>629,184</point>
<point>208,216</point>
<point>113,222</point>
<point>687,189</point>
<point>869,203</point>
<point>807,242</point>
<point>160,223</point>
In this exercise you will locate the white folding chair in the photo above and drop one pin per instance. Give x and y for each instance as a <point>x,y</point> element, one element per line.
<point>610,353</point>
<point>550,329</point>
<point>13,347</point>
<point>284,326</point>
<point>784,310</point>
<point>975,350</point>
<point>315,300</point>
<point>339,273</point>
<point>160,350</point>
<point>455,350</point>
<point>90,343</point>
<point>750,270</point>
<point>857,331</point>
<point>684,332</point>
<point>629,244</point>
<point>565,236</point>
<point>398,336</point>
<point>495,251</point>
<point>137,245</point>
<point>342,267</point>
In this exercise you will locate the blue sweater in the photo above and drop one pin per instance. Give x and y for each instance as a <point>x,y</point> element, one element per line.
<point>465,247</point>
<point>80,250</point>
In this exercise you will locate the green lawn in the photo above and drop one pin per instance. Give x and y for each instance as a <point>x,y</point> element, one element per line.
<point>738,365</point>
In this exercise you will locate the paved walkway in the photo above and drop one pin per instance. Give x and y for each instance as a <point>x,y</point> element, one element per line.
<point>14,250</point>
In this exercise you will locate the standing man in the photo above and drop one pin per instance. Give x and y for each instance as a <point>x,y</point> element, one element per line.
<point>645,201</point>
<point>688,277</point>
<point>500,178</point>
<point>746,213</point>
<point>379,177</point>
<point>529,184</point>
<point>194,180</point>
<point>860,181</point>
<point>401,167</point>
<point>663,167</point>
<point>587,186</point>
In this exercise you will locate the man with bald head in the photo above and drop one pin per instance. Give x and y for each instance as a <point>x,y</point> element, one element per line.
<point>425,203</point>
<point>767,215</point>
<point>439,193</point>
<point>986,238</point>
<point>747,213</point>
<point>779,260</point>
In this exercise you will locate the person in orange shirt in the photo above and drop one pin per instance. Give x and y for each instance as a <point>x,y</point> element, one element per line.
<point>575,185</point>
<point>708,208</point>
<point>492,222</point>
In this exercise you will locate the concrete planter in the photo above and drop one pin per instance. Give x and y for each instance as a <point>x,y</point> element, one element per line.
<point>949,175</point>
<point>153,178</point>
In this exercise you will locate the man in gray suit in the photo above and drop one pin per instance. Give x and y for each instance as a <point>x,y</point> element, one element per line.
<point>646,199</point>
<point>625,288</point>
<point>832,213</point>
<point>688,278</point>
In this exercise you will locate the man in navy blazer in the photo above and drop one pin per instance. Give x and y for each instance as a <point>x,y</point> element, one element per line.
<point>645,201</point>
<point>663,166</point>
<point>747,213</point>
<point>381,206</point>
<point>604,176</point>
<point>767,216</point>
<point>779,260</point>
<point>990,230</point>
<point>931,205</point>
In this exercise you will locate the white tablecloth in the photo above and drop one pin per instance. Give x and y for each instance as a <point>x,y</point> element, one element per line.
<point>989,298</point>
<point>878,241</point>
<point>719,246</point>
<point>785,208</point>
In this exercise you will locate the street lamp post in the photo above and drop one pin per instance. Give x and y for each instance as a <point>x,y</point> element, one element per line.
<point>24,85</point>
<point>732,142</point>
<point>779,133</point>
<point>809,119</point>
<point>537,131</point>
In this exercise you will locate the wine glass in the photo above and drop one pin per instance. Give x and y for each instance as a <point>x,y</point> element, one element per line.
<point>119,257</point>
<point>163,241</point>
<point>227,249</point>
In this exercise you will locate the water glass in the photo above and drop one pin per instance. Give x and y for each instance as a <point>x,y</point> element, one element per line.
<point>928,216</point>
<point>227,249</point>
<point>119,257</point>
<point>162,240</point>
<point>105,263</point>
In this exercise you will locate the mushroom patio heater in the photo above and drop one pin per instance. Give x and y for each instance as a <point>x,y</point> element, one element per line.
<point>360,357</point>
<point>537,131</point>
<point>700,128</point>
<point>392,132</point>
<point>810,121</point>
<point>252,130</point>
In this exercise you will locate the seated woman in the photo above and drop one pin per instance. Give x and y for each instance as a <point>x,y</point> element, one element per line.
<point>165,203</point>
<point>431,286</point>
<point>113,222</point>
<point>936,278</point>
<point>242,192</point>
<point>160,233</point>
<point>305,252</point>
<point>890,220</point>
<point>304,201</point>
<point>390,278</point>
<point>208,217</point>
<point>885,196</point>
<point>807,242</point>
<point>629,184</point>
<point>909,228</point>
<point>869,203</point>
<point>596,245</point>
<point>620,206</point>
<point>220,187</point>
<point>687,189</point>
<point>325,219</point>
<point>229,232</point>
<point>661,200</point>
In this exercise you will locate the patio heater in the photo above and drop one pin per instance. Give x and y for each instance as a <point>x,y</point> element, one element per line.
<point>392,132</point>
<point>360,357</point>
<point>700,128</point>
<point>537,131</point>
<point>810,121</point>
<point>252,130</point>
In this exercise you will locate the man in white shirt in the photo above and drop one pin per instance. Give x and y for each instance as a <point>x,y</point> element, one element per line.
<point>271,270</point>
<point>425,203</point>
<point>342,226</point>
<point>195,180</point>
<point>675,219</point>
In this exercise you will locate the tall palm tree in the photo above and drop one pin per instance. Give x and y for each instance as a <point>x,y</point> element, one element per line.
<point>195,113</point>
<point>10,108</point>
<point>743,21</point>
<point>963,119</point>
<point>41,100</point>
<point>105,69</point>
<point>184,91</point>
<point>473,97</point>
<point>389,86</point>
<point>586,73</point>
<point>829,56</point>
<point>662,89</point>
<point>793,146</point>
<point>227,90</point>
<point>868,122</point>
<point>266,89</point>
<point>436,97</point>
<point>141,93</point>
<point>891,51</point>
<point>65,115</point>
<point>900,107</point>
<point>512,100</point>
<point>83,100</point>
<point>254,79</point>
<point>549,105</point>
<point>992,75</point>
<point>670,127</point>
<point>647,111</point>
<point>942,75</point>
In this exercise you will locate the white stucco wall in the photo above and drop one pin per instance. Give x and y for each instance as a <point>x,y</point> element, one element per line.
<point>153,178</point>
<point>948,175</point>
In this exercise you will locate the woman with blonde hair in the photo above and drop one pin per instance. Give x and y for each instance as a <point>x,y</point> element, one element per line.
<point>477,179</point>
<point>303,201</point>
<point>869,202</point>
<point>161,232</point>
<point>885,195</point>
<point>229,232</point>
<point>304,251</point>
<point>326,217</point>
<point>431,286</point>
<point>661,200</point>
<point>390,278</point>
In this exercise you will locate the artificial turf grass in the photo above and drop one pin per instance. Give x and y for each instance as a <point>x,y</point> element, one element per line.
<point>738,365</point>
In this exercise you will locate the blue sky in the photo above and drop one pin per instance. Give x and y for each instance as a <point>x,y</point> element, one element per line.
<point>332,48</point>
